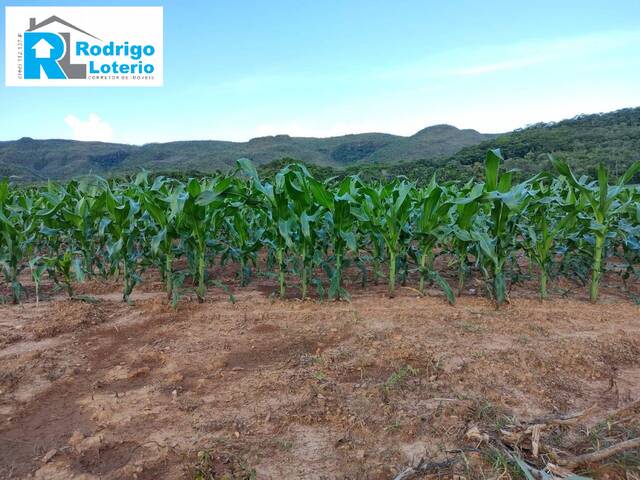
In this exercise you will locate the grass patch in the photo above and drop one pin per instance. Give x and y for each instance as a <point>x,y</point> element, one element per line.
<point>399,377</point>
<point>469,327</point>
<point>221,466</point>
<point>502,465</point>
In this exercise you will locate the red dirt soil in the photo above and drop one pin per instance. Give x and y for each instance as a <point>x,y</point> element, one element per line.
<point>296,389</point>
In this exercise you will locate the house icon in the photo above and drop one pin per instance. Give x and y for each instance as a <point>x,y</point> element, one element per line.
<point>43,49</point>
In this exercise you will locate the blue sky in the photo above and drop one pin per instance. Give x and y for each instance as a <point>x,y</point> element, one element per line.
<point>240,69</point>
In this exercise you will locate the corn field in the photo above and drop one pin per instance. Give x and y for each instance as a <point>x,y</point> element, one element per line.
<point>308,233</point>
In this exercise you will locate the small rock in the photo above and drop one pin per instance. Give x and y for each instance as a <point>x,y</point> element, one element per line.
<point>360,454</point>
<point>76,438</point>
<point>90,444</point>
<point>139,372</point>
<point>218,363</point>
<point>49,455</point>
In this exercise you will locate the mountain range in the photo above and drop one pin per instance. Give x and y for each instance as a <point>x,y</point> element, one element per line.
<point>40,159</point>
<point>583,141</point>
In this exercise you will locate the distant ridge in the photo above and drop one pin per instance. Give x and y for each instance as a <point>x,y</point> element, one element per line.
<point>583,141</point>
<point>32,159</point>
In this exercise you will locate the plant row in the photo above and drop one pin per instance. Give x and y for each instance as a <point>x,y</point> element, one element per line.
<point>315,230</point>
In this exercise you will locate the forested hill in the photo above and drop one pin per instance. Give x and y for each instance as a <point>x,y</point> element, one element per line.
<point>30,159</point>
<point>583,141</point>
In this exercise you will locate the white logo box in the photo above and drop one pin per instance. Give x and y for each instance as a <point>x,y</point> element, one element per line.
<point>85,44</point>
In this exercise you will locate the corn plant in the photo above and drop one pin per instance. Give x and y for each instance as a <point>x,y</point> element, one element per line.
<point>548,218</point>
<point>18,228</point>
<point>37,268</point>
<point>464,219</point>
<point>61,260</point>
<point>301,228</point>
<point>161,201</point>
<point>199,210</point>
<point>275,205</point>
<point>387,209</point>
<point>245,238</point>
<point>601,204</point>
<point>81,213</point>
<point>432,229</point>
<point>122,225</point>
<point>340,216</point>
<point>629,228</point>
<point>506,203</point>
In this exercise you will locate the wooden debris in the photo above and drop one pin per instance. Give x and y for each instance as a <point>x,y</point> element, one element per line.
<point>425,467</point>
<point>624,409</point>
<point>603,454</point>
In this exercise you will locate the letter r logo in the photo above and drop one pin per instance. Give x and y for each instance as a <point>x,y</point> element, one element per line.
<point>43,50</point>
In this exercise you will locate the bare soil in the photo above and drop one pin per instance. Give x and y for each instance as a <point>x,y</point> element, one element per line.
<point>293,389</point>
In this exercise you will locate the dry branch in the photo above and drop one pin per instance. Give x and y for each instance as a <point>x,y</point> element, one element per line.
<point>511,440</point>
<point>424,467</point>
<point>600,455</point>
<point>569,419</point>
<point>625,408</point>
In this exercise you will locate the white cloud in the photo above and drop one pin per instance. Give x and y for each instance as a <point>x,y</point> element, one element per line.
<point>498,66</point>
<point>94,128</point>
